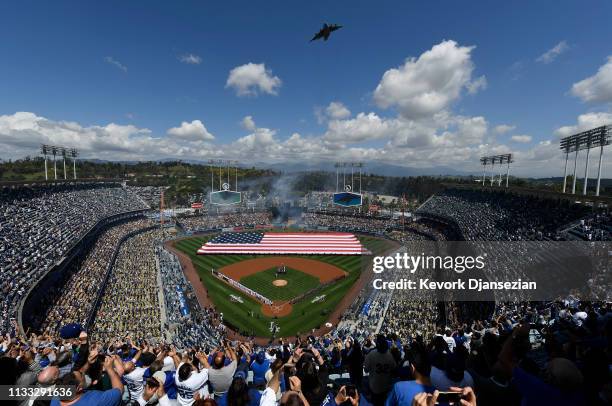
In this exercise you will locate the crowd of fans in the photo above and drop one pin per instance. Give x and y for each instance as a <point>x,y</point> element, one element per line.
<point>348,223</point>
<point>151,195</point>
<point>549,353</point>
<point>74,301</point>
<point>213,222</point>
<point>490,216</point>
<point>38,224</point>
<point>153,344</point>
<point>187,322</point>
<point>130,303</point>
<point>594,228</point>
<point>536,230</point>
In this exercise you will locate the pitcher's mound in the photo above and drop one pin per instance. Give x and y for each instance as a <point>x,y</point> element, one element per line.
<point>279,282</point>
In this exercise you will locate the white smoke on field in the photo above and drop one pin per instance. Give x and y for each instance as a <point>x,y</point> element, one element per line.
<point>283,187</point>
<point>256,187</point>
<point>282,193</point>
<point>283,190</point>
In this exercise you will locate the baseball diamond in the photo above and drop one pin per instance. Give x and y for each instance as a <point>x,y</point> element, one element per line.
<point>294,283</point>
<point>333,277</point>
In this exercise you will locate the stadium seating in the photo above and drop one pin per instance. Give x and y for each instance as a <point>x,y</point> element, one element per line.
<point>148,323</point>
<point>39,224</point>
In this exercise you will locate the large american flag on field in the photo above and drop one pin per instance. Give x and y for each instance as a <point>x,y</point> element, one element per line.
<point>284,243</point>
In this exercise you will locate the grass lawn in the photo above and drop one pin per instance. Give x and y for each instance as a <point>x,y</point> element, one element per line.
<point>297,283</point>
<point>247,317</point>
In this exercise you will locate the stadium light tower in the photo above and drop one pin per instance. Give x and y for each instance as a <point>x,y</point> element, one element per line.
<point>586,169</point>
<point>604,140</point>
<point>63,151</point>
<point>596,137</point>
<point>484,161</point>
<point>502,159</point>
<point>574,176</point>
<point>508,161</point>
<point>54,151</point>
<point>337,165</point>
<point>236,168</point>
<point>565,169</point>
<point>74,153</point>
<point>44,149</point>
<point>344,165</point>
<point>360,166</point>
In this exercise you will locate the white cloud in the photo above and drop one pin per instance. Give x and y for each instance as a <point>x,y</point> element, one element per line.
<point>585,122</point>
<point>194,131</point>
<point>251,79</point>
<point>22,133</point>
<point>410,135</point>
<point>190,59</point>
<point>364,127</point>
<point>522,138</point>
<point>553,53</point>
<point>443,140</point>
<point>477,85</point>
<point>470,130</point>
<point>261,140</point>
<point>337,111</point>
<point>428,84</point>
<point>443,132</point>
<point>334,111</point>
<point>503,128</point>
<point>596,88</point>
<point>115,63</point>
<point>248,123</point>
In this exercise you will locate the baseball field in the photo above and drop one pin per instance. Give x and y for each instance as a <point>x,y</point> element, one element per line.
<point>290,285</point>
<point>327,278</point>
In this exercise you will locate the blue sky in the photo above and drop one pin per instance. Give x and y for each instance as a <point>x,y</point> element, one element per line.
<point>110,76</point>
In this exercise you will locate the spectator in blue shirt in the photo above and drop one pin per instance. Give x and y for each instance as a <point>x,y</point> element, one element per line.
<point>260,366</point>
<point>403,393</point>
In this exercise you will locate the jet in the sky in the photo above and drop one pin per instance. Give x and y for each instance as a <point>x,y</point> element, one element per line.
<point>325,31</point>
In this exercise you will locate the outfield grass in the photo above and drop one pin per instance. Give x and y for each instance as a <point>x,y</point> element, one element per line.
<point>297,283</point>
<point>248,318</point>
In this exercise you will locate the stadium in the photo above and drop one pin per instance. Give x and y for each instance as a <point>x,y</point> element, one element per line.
<point>197,278</point>
<point>305,204</point>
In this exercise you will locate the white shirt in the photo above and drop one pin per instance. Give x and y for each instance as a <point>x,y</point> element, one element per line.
<point>135,382</point>
<point>187,388</point>
<point>269,374</point>
<point>168,364</point>
<point>163,401</point>
<point>468,340</point>
<point>450,341</point>
<point>268,398</point>
<point>166,401</point>
<point>580,317</point>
